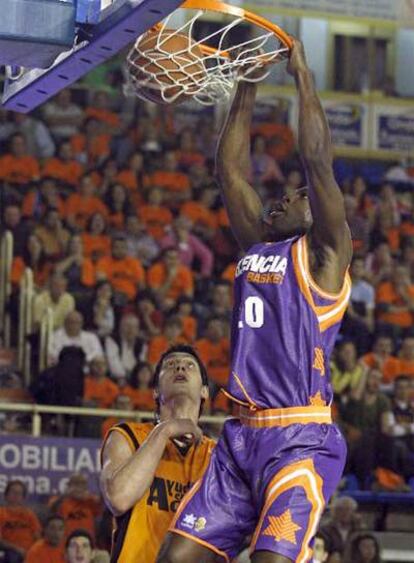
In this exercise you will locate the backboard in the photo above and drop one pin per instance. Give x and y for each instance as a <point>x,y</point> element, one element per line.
<point>119,23</point>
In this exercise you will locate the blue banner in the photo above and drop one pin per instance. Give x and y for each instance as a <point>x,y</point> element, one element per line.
<point>45,464</point>
<point>396,132</point>
<point>346,122</point>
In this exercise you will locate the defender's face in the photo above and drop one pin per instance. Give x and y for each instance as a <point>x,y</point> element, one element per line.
<point>288,216</point>
<point>180,375</point>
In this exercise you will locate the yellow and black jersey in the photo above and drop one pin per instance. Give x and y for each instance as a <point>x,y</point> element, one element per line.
<point>139,532</point>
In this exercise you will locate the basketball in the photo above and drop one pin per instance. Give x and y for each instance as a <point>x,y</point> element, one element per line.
<point>165,67</point>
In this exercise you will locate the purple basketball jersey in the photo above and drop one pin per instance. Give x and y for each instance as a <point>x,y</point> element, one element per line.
<point>283,330</point>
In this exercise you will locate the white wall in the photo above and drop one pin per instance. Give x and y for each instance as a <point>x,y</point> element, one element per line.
<point>314,34</point>
<point>404,75</point>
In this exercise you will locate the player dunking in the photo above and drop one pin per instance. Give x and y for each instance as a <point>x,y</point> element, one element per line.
<point>276,466</point>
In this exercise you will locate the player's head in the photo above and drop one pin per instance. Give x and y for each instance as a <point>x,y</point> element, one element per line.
<point>79,547</point>
<point>287,214</point>
<point>321,548</point>
<point>365,549</point>
<point>15,493</point>
<point>180,373</point>
<point>54,530</point>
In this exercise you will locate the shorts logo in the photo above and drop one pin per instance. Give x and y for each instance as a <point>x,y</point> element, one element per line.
<point>200,524</point>
<point>189,521</point>
<point>282,527</point>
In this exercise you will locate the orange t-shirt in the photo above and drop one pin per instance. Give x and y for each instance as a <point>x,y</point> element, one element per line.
<point>155,219</point>
<point>96,246</point>
<point>129,179</point>
<point>189,328</point>
<point>29,203</point>
<point>400,367</point>
<point>183,283</point>
<point>189,158</point>
<point>79,513</point>
<point>42,552</point>
<point>19,525</point>
<point>229,272</point>
<point>407,229</point>
<point>216,357</point>
<point>124,275</point>
<point>68,172</point>
<point>283,133</point>
<point>199,213</point>
<point>19,170</point>
<point>40,276</point>
<point>389,367</point>
<point>97,148</point>
<point>103,391</point>
<point>386,293</point>
<point>116,220</point>
<point>104,115</point>
<point>142,399</point>
<point>158,345</point>
<point>171,181</point>
<point>82,208</point>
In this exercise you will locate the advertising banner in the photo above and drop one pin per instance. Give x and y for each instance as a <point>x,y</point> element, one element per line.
<point>348,122</point>
<point>45,464</point>
<point>393,128</point>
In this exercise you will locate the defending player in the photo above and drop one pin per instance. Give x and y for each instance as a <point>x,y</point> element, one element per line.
<point>148,467</point>
<point>276,466</point>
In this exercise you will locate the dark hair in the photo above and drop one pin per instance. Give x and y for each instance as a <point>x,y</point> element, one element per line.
<point>133,378</point>
<point>53,517</point>
<point>327,542</point>
<point>110,201</point>
<point>355,555</point>
<point>402,377</point>
<point>79,533</point>
<point>90,221</point>
<point>180,349</point>
<point>11,484</point>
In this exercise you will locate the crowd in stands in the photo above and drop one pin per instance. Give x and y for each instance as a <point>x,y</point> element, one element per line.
<point>117,213</point>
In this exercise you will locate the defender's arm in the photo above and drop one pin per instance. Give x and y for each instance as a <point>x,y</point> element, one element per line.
<point>330,233</point>
<point>232,164</point>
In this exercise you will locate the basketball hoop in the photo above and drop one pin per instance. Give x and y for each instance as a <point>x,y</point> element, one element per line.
<point>222,64</point>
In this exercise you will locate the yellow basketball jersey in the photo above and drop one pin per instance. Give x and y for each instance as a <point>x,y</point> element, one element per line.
<point>139,532</point>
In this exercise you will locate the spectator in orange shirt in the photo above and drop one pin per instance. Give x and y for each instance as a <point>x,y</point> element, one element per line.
<point>281,142</point>
<point>92,147</point>
<point>124,273</point>
<point>395,301</point>
<point>118,204</point>
<point>19,526</point>
<point>184,311</point>
<point>171,335</point>
<point>35,258</point>
<point>214,350</point>
<point>264,167</point>
<point>140,388</point>
<point>187,154</point>
<point>76,267</point>
<point>381,357</point>
<point>122,403</point>
<point>16,166</point>
<point>169,279</point>
<point>96,243</point>
<point>134,177</point>
<point>52,234</point>
<point>126,348</point>
<point>379,264</point>
<point>200,212</point>
<point>81,206</point>
<point>365,205</point>
<point>99,391</point>
<point>100,110</point>
<point>386,230</point>
<point>77,506</point>
<point>51,548</point>
<point>37,201</point>
<point>229,272</point>
<point>64,167</point>
<point>155,216</point>
<point>406,357</point>
<point>175,184</point>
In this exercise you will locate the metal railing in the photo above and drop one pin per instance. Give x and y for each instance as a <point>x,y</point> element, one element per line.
<point>37,410</point>
<point>25,324</point>
<point>6,260</point>
<point>46,333</point>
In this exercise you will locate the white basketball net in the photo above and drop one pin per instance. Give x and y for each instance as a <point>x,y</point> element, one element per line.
<point>214,82</point>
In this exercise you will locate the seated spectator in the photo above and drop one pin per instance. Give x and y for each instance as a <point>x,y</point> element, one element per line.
<point>102,316</point>
<point>12,221</point>
<point>171,335</point>
<point>398,429</point>
<point>64,167</point>
<point>134,178</point>
<point>82,205</point>
<point>190,248</point>
<point>264,167</point>
<point>71,334</point>
<point>19,526</point>
<point>118,206</point>
<point>359,317</point>
<point>361,419</point>
<point>38,139</point>
<point>63,117</point>
<point>38,200</point>
<point>100,110</point>
<point>99,391</point>
<point>17,166</point>
<point>358,226</point>
<point>92,146</point>
<point>76,267</point>
<point>77,506</point>
<point>50,549</point>
<point>126,348</point>
<point>406,357</point>
<point>214,351</point>
<point>346,372</point>
<point>379,264</point>
<point>124,273</point>
<point>387,204</point>
<point>122,403</point>
<point>187,154</point>
<point>219,303</point>
<point>155,216</point>
<point>364,548</point>
<point>140,243</point>
<point>385,230</point>
<point>139,388</point>
<point>200,212</point>
<point>53,235</point>
<point>33,257</point>
<point>279,136</point>
<point>321,548</point>
<point>79,547</point>
<point>381,358</point>
<point>184,311</point>
<point>169,279</point>
<point>57,299</point>
<point>175,184</point>
<point>150,316</point>
<point>344,521</point>
<point>96,243</point>
<point>365,205</point>
<point>395,302</point>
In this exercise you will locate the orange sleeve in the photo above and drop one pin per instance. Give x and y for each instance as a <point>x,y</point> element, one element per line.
<point>139,271</point>
<point>88,273</point>
<point>155,349</point>
<point>155,276</point>
<point>384,293</point>
<point>188,280</point>
<point>103,266</point>
<point>18,267</point>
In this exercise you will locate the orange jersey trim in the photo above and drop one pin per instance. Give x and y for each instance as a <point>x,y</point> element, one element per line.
<point>227,394</point>
<point>301,474</point>
<point>185,500</point>
<point>250,401</point>
<point>285,417</point>
<point>203,543</point>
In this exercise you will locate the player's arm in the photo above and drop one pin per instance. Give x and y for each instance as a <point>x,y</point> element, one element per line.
<point>126,477</point>
<point>232,166</point>
<point>330,238</point>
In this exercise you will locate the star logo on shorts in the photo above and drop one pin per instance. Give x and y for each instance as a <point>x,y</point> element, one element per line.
<point>189,521</point>
<point>282,527</point>
<point>317,400</point>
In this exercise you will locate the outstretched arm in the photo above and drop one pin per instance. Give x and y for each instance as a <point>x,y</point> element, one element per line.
<point>330,236</point>
<point>232,163</point>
